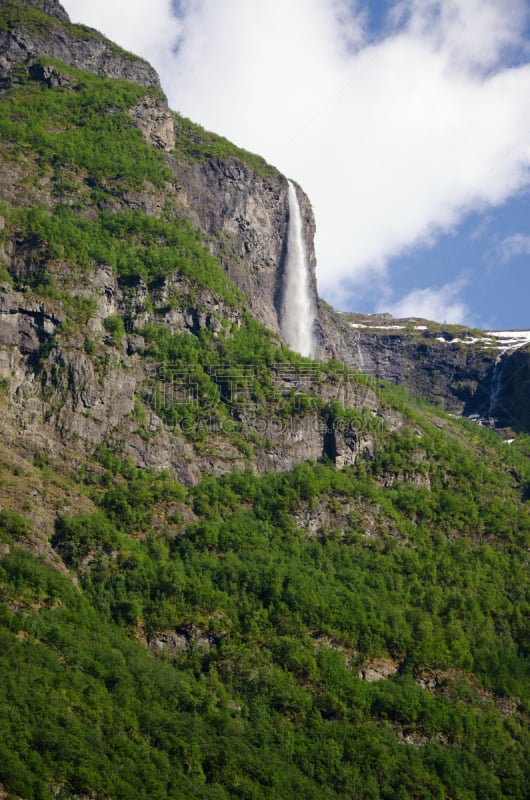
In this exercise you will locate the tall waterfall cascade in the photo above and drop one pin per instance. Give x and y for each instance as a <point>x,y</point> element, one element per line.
<point>298,309</point>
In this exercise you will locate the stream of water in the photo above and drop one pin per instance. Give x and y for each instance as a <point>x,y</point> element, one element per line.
<point>298,310</point>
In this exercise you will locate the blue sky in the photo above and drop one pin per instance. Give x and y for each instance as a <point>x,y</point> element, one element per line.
<point>484,261</point>
<point>406,122</point>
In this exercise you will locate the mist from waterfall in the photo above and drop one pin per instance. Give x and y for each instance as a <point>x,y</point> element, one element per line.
<point>298,311</point>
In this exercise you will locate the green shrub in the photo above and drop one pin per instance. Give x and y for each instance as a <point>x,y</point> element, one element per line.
<point>198,144</point>
<point>83,125</point>
<point>13,526</point>
<point>77,537</point>
<point>115,326</point>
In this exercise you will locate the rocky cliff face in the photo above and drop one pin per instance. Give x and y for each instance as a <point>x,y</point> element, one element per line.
<point>244,211</point>
<point>43,28</point>
<point>60,400</point>
<point>76,367</point>
<point>455,375</point>
<point>466,372</point>
<point>50,7</point>
<point>246,216</point>
<point>511,381</point>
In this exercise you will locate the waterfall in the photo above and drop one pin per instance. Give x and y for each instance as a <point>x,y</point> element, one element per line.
<point>496,385</point>
<point>297,316</point>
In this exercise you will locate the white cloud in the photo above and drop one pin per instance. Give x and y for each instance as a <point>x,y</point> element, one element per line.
<point>441,304</point>
<point>393,140</point>
<point>148,29</point>
<point>512,246</point>
<point>470,33</point>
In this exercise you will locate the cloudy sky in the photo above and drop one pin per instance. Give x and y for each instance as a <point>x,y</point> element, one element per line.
<point>407,122</point>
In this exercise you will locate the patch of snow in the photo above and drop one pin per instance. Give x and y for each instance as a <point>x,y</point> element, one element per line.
<point>456,340</point>
<point>511,334</point>
<point>510,340</point>
<point>498,340</point>
<point>377,327</point>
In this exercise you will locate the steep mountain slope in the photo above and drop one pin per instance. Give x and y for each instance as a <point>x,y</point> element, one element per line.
<point>225,571</point>
<point>124,230</point>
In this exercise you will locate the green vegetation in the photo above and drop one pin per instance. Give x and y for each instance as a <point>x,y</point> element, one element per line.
<point>83,125</point>
<point>226,377</point>
<point>198,144</point>
<point>5,277</point>
<point>14,13</point>
<point>114,325</point>
<point>135,245</point>
<point>218,642</point>
<point>264,695</point>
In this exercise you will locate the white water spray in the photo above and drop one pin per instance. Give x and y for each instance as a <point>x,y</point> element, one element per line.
<point>298,312</point>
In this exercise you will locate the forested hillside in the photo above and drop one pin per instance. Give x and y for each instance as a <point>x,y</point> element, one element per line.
<point>225,571</point>
<point>315,633</point>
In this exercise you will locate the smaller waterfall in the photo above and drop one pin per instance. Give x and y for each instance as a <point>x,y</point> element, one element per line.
<point>496,386</point>
<point>298,312</point>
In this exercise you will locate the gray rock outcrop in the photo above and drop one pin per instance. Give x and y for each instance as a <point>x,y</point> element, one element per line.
<point>51,7</point>
<point>454,370</point>
<point>75,45</point>
<point>250,211</point>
